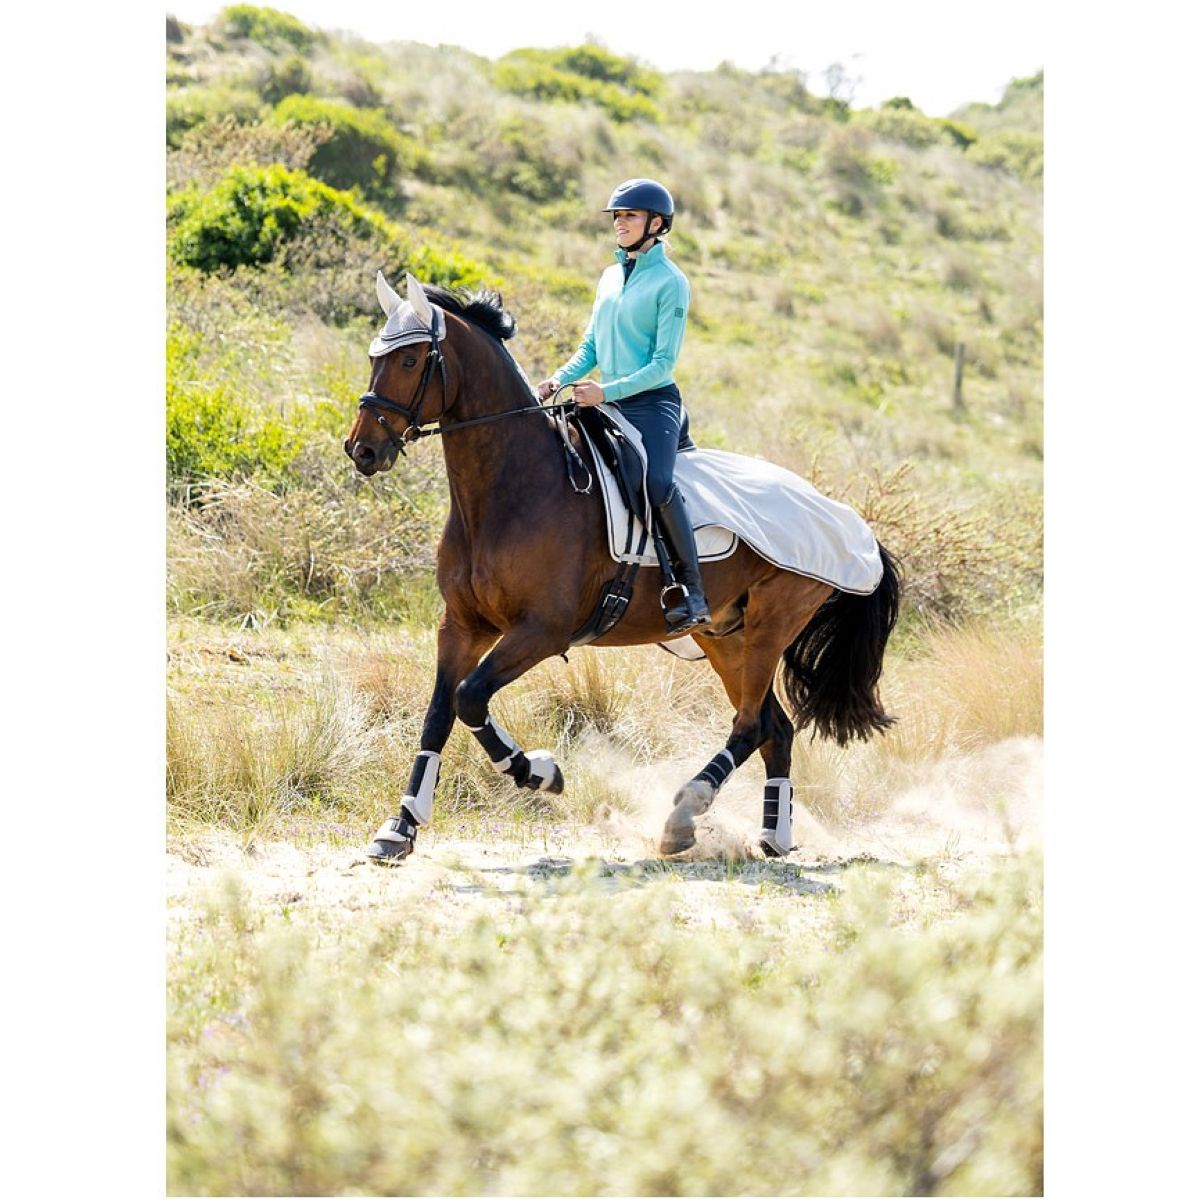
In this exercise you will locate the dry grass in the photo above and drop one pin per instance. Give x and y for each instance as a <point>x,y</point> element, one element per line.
<point>335,747</point>
<point>247,553</point>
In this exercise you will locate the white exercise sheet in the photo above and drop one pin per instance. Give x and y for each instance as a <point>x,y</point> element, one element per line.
<point>782,516</point>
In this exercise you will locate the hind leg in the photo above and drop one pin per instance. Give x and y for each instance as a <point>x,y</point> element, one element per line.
<point>775,837</point>
<point>778,608</point>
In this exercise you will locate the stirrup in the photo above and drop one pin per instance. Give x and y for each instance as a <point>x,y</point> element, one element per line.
<point>690,614</point>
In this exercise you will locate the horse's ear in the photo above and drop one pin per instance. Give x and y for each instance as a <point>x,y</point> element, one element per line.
<point>389,301</point>
<point>419,301</point>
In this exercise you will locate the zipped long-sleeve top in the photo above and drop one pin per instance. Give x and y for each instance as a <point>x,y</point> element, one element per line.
<point>637,325</point>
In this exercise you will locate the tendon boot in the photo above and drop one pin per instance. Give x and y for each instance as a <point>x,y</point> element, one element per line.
<point>692,608</point>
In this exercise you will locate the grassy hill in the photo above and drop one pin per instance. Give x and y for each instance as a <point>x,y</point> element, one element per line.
<point>836,257</point>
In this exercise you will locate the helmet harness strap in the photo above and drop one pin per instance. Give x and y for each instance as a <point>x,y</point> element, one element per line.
<point>646,234</point>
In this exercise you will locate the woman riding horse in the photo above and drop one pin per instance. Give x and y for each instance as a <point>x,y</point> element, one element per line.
<point>635,335</point>
<point>524,559</point>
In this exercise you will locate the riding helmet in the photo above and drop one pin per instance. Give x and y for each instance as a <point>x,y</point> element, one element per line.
<point>645,194</point>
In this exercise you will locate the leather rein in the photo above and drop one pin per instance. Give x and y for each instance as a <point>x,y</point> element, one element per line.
<point>373,403</point>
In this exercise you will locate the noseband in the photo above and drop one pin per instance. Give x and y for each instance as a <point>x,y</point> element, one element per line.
<point>373,401</point>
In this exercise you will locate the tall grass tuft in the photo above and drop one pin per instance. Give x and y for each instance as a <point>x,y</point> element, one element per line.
<point>239,766</point>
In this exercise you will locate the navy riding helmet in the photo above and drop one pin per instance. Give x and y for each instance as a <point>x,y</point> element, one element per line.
<point>647,195</point>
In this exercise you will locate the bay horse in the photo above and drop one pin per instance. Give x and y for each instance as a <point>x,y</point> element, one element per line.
<point>524,557</point>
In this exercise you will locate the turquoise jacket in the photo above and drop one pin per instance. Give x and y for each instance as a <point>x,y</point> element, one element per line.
<point>637,326</point>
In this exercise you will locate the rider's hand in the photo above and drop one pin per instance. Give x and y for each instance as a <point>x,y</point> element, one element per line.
<point>588,393</point>
<point>546,389</point>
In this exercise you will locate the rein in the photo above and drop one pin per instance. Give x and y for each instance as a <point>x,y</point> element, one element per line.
<point>373,402</point>
<point>370,400</point>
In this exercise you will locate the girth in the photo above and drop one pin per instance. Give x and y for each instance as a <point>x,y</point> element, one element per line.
<point>627,468</point>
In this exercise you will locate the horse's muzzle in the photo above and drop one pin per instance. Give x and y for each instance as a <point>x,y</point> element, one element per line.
<point>366,459</point>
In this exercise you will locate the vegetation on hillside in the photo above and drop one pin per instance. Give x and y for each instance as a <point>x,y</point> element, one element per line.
<point>880,1034</point>
<point>836,257</point>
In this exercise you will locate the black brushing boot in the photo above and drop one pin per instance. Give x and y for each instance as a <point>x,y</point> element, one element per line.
<point>692,610</point>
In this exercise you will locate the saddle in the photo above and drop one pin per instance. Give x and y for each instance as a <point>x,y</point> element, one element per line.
<point>619,463</point>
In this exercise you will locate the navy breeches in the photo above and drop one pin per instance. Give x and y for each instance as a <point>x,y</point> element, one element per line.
<point>658,416</point>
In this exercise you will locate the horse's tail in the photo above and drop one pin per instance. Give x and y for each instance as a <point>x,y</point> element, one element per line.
<point>831,671</point>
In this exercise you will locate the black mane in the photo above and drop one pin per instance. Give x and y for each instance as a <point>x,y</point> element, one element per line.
<point>482,307</point>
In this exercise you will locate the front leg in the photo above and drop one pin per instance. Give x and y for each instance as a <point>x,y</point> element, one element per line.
<point>459,649</point>
<point>521,648</point>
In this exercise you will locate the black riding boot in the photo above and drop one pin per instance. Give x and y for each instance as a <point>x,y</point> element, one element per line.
<point>692,609</point>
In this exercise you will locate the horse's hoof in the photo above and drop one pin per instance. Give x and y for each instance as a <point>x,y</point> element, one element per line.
<point>697,795</point>
<point>545,775</point>
<point>770,850</point>
<point>677,838</point>
<point>390,854</point>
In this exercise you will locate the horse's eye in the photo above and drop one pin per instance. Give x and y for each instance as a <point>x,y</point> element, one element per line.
<point>410,362</point>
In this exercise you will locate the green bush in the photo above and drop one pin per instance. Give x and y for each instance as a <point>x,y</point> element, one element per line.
<point>267,26</point>
<point>857,176</point>
<point>594,62</point>
<point>909,126</point>
<point>1021,154</point>
<point>287,78</point>
<point>252,211</point>
<point>529,165</point>
<point>190,107</point>
<point>586,74</point>
<point>364,148</point>
<point>958,132</point>
<point>212,432</point>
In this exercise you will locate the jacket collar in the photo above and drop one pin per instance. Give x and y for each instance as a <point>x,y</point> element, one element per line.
<point>656,252</point>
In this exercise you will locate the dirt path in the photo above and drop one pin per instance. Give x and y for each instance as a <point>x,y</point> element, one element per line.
<point>961,811</point>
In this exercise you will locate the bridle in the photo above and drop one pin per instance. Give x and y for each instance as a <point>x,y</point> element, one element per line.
<point>373,402</point>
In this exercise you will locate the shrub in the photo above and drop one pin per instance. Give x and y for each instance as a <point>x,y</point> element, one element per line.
<point>958,132</point>
<point>1021,154</point>
<point>909,126</point>
<point>856,174</point>
<point>267,26</point>
<point>957,562</point>
<point>247,549</point>
<point>246,217</point>
<point>190,107</point>
<point>594,62</point>
<point>586,73</point>
<point>870,1052</point>
<point>296,245</point>
<point>204,155</point>
<point>286,78</point>
<point>364,147</point>
<point>212,432</point>
<point>529,166</point>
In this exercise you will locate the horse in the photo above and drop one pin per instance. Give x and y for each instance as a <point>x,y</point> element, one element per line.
<point>523,559</point>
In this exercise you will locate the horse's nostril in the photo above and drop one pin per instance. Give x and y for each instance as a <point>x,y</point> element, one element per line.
<point>347,448</point>
<point>362,454</point>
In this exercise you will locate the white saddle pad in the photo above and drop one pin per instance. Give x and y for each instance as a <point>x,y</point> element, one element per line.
<point>782,516</point>
<point>627,537</point>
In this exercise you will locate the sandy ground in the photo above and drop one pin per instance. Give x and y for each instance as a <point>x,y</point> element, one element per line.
<point>961,812</point>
